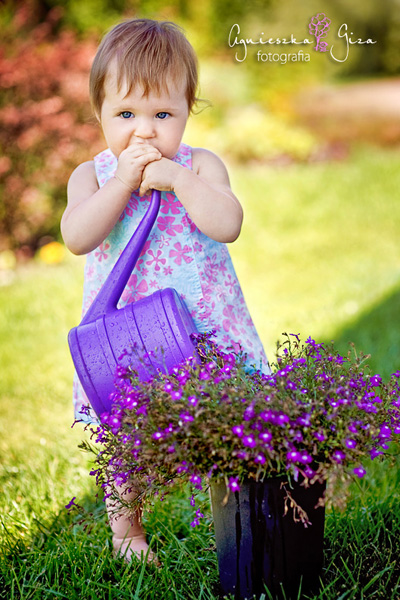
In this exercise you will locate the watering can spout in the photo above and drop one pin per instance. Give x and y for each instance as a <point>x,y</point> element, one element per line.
<point>107,299</point>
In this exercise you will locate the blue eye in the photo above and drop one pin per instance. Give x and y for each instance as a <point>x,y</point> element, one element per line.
<point>162,115</point>
<point>126,114</point>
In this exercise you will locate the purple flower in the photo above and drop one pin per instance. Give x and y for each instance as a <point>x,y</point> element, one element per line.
<point>282,419</point>
<point>248,413</point>
<point>265,436</point>
<point>176,394</point>
<point>374,452</point>
<point>385,432</point>
<point>168,387</point>
<point>204,375</point>
<point>293,456</point>
<point>186,417</point>
<point>210,366</point>
<point>242,455</point>
<point>260,459</point>
<point>376,380</point>
<point>319,435</point>
<point>305,458</point>
<point>182,467</point>
<point>249,441</point>
<point>71,503</point>
<point>192,400</point>
<point>359,471</point>
<point>350,443</point>
<point>338,456</point>
<point>309,472</point>
<point>233,484</point>
<point>196,481</point>
<point>114,421</point>
<point>267,416</point>
<point>237,430</point>
<point>304,420</point>
<point>157,435</point>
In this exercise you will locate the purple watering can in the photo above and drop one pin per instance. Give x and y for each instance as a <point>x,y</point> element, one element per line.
<point>150,334</point>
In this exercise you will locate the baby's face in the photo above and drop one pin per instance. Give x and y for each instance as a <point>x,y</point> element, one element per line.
<point>159,120</point>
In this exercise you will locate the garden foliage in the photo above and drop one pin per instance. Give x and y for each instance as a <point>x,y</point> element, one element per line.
<point>46,128</point>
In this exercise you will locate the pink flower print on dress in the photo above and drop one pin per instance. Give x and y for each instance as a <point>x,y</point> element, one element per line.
<point>130,208</point>
<point>167,224</point>
<point>162,241</point>
<point>231,322</point>
<point>211,268</point>
<point>230,283</point>
<point>207,291</point>
<point>156,259</point>
<point>89,300</point>
<point>197,247</point>
<point>90,273</point>
<point>222,267</point>
<point>187,222</point>
<point>142,256</point>
<point>180,253</point>
<point>134,291</point>
<point>220,293</point>
<point>170,204</point>
<point>168,270</point>
<point>101,253</point>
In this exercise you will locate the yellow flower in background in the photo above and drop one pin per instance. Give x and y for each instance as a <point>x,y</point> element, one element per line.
<point>7,260</point>
<point>51,253</point>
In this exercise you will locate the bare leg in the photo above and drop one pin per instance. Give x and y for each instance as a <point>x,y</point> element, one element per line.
<point>129,538</point>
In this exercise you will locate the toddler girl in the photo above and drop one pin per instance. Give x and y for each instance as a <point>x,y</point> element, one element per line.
<point>143,87</point>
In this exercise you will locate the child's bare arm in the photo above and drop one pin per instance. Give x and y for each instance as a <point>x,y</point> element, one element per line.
<point>204,191</point>
<point>92,212</point>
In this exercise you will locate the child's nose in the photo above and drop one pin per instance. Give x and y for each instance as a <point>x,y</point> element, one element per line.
<point>144,129</point>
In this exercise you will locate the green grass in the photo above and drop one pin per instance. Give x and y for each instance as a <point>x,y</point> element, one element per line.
<point>319,251</point>
<point>319,255</point>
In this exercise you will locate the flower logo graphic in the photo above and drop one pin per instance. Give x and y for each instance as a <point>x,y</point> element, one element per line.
<point>319,27</point>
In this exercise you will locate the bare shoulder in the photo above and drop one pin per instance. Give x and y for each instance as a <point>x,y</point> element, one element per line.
<point>209,165</point>
<point>84,172</point>
<point>83,181</point>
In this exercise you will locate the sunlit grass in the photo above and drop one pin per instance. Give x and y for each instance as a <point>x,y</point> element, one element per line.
<point>318,255</point>
<point>319,248</point>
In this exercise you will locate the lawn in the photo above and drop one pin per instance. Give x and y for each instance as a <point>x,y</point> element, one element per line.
<point>318,255</point>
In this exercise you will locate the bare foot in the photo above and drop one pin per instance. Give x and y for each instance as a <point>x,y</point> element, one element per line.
<point>134,547</point>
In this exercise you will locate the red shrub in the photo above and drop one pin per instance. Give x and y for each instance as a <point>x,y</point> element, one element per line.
<point>46,126</point>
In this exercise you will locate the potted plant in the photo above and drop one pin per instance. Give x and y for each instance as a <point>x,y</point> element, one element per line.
<point>275,444</point>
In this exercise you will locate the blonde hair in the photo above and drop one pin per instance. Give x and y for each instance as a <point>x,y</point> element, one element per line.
<point>147,53</point>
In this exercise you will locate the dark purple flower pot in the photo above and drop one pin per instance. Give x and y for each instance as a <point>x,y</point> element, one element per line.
<point>258,545</point>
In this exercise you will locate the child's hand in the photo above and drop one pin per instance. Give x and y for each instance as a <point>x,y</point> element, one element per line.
<point>159,175</point>
<point>132,162</point>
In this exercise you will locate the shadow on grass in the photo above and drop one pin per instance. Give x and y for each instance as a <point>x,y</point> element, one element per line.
<point>71,557</point>
<point>376,332</point>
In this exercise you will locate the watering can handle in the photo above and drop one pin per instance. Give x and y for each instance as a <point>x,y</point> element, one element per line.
<point>110,293</point>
